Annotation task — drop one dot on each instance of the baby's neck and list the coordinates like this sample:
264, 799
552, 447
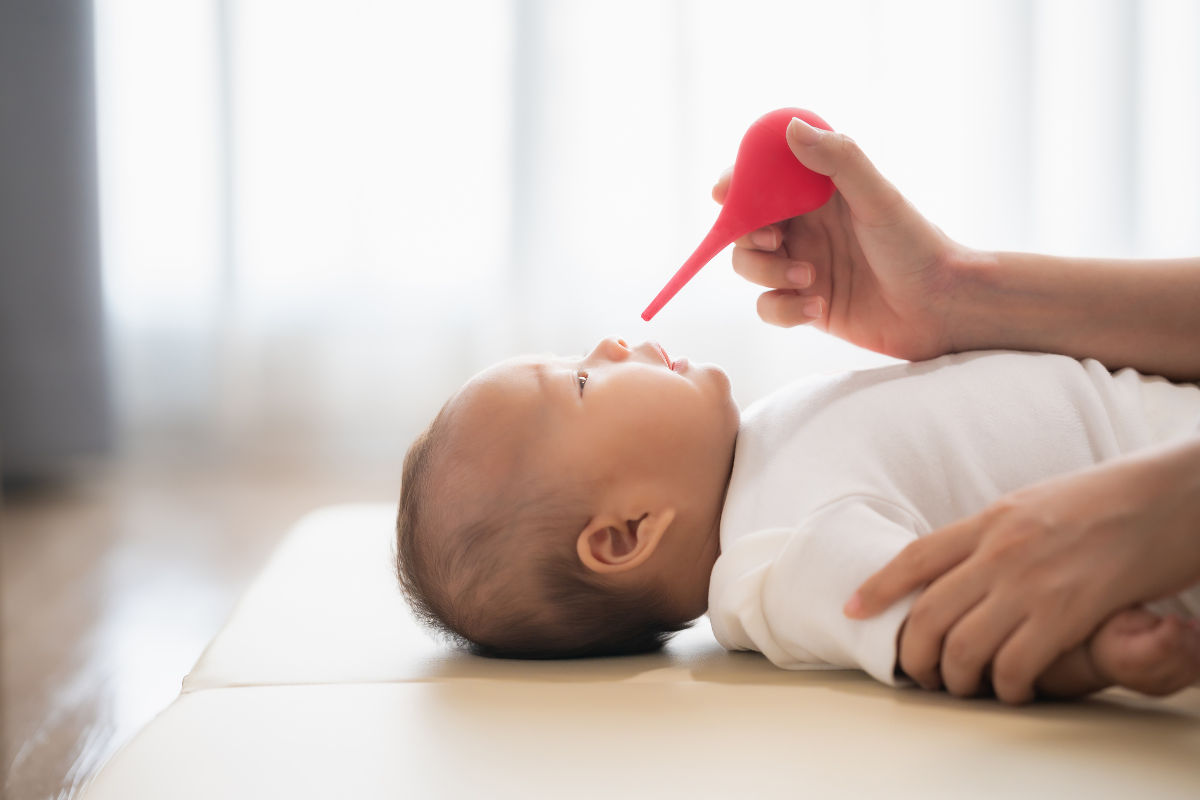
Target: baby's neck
689, 572
683, 568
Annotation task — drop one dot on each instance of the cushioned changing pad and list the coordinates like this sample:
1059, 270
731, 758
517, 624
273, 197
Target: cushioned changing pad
321, 685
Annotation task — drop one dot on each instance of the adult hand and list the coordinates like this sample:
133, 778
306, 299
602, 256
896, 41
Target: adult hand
1036, 573
866, 266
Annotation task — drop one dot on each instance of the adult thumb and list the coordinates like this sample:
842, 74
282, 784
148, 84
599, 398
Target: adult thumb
872, 198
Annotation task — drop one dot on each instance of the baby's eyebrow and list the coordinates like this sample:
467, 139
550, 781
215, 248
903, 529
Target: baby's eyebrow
552, 388
539, 372
545, 387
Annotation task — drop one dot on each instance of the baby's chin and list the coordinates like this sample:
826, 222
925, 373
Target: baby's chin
703, 371
723, 393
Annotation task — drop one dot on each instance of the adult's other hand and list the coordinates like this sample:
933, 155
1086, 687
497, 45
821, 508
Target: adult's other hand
1035, 574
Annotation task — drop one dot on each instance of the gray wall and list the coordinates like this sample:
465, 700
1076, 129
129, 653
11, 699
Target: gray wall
53, 389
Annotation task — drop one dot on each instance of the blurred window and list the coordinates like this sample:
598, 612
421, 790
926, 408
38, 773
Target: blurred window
320, 217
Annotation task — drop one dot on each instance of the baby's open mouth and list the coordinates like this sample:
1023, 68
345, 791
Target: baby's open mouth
662, 352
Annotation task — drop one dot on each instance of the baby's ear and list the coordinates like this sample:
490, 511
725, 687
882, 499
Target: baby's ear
610, 544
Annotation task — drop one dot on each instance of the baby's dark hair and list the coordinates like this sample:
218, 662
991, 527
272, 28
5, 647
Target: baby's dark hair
452, 571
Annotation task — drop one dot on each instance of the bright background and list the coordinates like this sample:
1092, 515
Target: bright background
320, 216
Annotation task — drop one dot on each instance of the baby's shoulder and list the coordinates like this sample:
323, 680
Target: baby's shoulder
859, 421
942, 378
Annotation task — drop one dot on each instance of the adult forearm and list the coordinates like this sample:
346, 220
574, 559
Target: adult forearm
1161, 492
1124, 313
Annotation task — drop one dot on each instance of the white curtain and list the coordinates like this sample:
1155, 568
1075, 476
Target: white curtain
321, 216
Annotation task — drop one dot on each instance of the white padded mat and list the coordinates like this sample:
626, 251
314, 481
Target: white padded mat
821, 737
328, 609
321, 686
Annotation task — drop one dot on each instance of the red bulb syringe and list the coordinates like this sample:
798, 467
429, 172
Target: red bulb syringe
768, 185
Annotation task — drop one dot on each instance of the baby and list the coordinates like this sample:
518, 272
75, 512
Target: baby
567, 507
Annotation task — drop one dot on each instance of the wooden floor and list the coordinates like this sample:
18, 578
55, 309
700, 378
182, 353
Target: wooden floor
111, 586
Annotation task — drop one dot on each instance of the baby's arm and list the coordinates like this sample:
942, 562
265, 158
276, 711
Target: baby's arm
780, 590
1135, 649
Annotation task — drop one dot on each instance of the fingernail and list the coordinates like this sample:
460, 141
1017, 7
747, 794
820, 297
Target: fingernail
801, 276
812, 309
803, 133
764, 238
853, 606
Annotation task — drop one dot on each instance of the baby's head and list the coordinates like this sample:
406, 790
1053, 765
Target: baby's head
563, 507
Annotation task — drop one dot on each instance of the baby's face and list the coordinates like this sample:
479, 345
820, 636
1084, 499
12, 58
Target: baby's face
626, 409
618, 413
625, 431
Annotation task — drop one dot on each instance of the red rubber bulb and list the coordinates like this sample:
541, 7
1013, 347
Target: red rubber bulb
768, 185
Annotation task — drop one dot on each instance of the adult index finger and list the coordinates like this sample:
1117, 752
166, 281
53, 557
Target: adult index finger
772, 271
721, 188
768, 238
917, 564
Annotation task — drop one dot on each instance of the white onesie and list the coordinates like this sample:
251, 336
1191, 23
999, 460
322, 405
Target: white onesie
834, 475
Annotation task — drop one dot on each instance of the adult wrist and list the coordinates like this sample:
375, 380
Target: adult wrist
1164, 487
1022, 301
972, 321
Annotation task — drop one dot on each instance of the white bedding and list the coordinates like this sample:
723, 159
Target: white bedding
321, 686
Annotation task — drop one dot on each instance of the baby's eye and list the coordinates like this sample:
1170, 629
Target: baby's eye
582, 380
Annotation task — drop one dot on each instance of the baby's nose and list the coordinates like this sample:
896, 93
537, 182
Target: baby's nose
612, 348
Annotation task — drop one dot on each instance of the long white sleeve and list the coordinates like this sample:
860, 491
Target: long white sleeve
781, 591
834, 475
